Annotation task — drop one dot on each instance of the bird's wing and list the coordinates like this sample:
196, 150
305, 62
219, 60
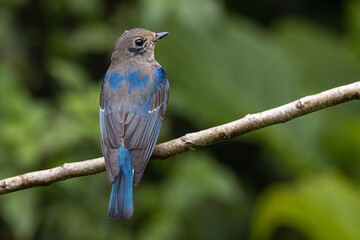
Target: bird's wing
137, 131
142, 132
108, 149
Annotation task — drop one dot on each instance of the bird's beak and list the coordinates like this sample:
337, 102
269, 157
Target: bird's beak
159, 36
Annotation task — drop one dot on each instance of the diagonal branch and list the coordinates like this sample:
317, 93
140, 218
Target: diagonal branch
192, 141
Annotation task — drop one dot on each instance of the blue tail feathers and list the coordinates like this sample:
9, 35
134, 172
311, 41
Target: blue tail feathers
121, 198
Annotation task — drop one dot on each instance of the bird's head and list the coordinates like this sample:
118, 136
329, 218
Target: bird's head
136, 44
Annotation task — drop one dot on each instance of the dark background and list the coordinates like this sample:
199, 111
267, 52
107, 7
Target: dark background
224, 59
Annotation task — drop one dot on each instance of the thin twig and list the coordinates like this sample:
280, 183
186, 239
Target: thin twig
192, 141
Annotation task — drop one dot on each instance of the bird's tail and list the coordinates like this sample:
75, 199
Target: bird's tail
121, 198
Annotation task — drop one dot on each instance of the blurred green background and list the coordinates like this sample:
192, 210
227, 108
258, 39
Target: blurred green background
224, 59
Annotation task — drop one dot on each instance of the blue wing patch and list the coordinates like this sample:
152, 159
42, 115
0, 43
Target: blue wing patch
136, 129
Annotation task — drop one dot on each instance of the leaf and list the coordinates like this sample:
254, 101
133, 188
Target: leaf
323, 206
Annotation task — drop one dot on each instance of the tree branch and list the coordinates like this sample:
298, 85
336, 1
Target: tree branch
192, 141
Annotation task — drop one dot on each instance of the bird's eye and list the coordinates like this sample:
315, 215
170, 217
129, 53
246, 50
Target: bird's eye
139, 42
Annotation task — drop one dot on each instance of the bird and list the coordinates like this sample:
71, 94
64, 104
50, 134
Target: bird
133, 100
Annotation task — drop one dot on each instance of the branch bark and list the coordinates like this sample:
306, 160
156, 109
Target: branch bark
194, 140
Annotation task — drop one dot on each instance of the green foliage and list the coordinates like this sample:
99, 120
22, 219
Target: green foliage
196, 183
325, 206
221, 67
